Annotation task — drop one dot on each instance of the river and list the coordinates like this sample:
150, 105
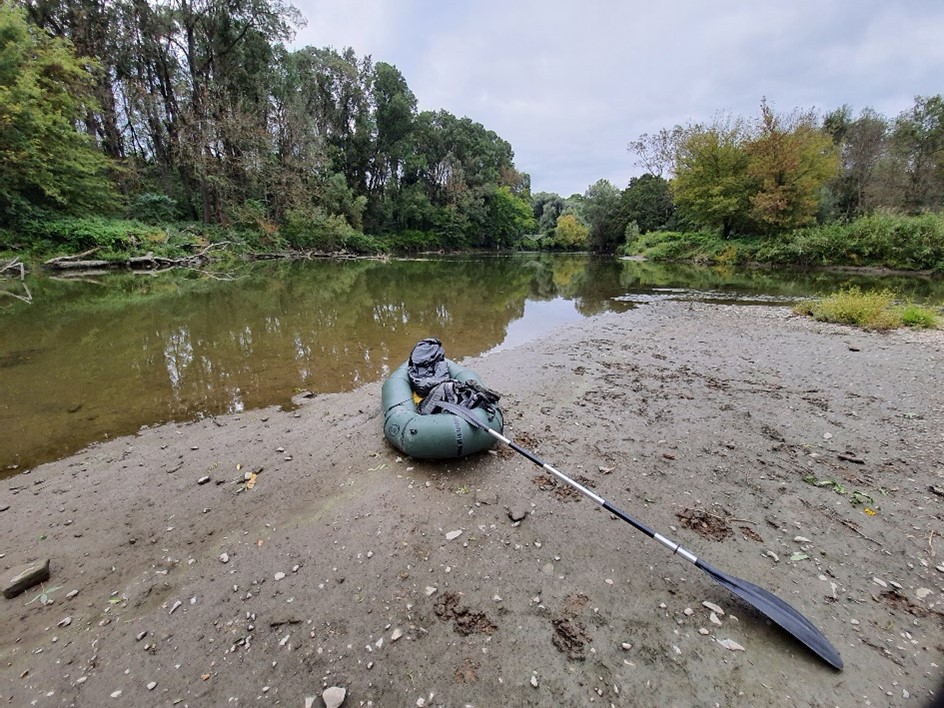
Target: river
100, 356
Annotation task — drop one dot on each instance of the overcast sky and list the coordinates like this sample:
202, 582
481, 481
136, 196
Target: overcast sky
570, 84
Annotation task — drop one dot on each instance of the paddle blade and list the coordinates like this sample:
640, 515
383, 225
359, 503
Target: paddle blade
780, 612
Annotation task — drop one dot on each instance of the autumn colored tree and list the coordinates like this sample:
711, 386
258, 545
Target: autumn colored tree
570, 234
790, 161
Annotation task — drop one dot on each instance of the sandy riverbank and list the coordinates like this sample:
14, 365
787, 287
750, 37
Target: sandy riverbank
342, 569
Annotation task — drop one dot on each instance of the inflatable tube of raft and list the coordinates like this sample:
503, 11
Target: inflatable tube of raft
440, 435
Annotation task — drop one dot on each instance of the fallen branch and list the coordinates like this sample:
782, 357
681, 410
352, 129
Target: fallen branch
17, 265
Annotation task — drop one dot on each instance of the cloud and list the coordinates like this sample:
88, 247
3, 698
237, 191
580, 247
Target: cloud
569, 84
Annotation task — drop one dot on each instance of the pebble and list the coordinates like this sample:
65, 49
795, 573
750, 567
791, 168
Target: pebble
626, 646
151, 686
334, 696
731, 644
397, 633
71, 594
453, 535
116, 694
703, 631
714, 619
922, 593
64, 622
174, 608
279, 575
688, 611
608, 581
802, 539
534, 681
713, 607
880, 582
517, 514
204, 479
224, 557
430, 590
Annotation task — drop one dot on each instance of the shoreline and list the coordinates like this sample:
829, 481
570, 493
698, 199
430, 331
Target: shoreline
340, 566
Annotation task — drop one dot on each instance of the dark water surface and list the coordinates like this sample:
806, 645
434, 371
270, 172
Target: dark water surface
102, 356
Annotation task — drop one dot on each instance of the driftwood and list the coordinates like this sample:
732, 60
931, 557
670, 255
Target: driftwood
146, 262
16, 265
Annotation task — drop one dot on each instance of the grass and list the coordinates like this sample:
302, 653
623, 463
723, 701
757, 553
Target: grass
875, 309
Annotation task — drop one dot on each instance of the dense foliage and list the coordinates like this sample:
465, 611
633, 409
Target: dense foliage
202, 114
195, 111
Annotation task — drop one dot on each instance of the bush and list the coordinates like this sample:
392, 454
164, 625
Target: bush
111, 237
918, 316
412, 241
153, 208
870, 310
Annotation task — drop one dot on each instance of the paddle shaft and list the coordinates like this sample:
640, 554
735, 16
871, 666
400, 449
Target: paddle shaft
667, 542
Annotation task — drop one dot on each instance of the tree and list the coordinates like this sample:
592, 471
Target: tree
600, 210
44, 92
863, 146
509, 217
647, 201
790, 162
658, 153
918, 144
712, 184
570, 234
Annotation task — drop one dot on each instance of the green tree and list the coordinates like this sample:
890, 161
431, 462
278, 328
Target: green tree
44, 92
570, 234
863, 144
599, 208
918, 144
790, 161
647, 201
509, 218
712, 184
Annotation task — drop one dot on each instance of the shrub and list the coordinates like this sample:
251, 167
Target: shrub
918, 316
870, 310
153, 208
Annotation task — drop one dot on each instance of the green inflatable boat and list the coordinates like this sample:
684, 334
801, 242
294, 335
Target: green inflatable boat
434, 436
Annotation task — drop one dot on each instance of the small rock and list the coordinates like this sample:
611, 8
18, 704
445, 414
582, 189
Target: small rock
801, 539
430, 590
279, 575
24, 577
204, 479
703, 631
713, 607
174, 608
71, 594
151, 686
334, 696
517, 513
880, 582
116, 694
224, 557
608, 581
64, 622
397, 633
688, 612
714, 619
774, 556
626, 646
140, 635
453, 535
731, 644
534, 681
922, 593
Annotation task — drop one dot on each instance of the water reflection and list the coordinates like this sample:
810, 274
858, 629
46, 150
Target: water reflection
92, 359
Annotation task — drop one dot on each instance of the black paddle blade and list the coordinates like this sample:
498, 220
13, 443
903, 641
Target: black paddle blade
780, 612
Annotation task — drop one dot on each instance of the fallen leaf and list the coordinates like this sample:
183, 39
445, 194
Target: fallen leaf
798, 556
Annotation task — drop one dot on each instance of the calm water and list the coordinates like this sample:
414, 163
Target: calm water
102, 356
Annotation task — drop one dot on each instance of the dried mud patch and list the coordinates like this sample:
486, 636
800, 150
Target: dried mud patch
464, 620
570, 636
562, 491
705, 524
